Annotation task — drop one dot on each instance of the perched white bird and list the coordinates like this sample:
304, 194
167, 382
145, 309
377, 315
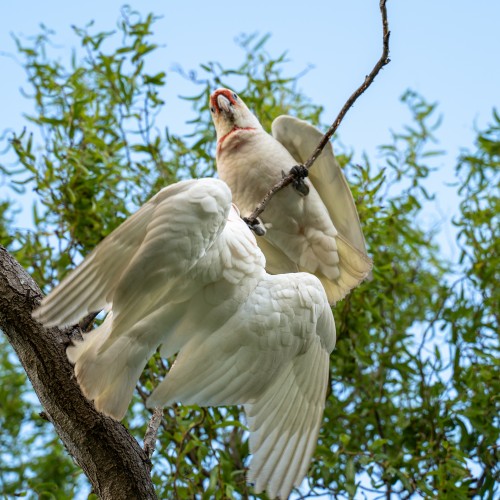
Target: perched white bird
319, 233
185, 272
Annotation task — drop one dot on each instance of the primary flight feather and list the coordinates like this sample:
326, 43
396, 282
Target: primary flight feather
319, 233
185, 273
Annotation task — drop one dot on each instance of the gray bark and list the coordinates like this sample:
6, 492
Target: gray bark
115, 464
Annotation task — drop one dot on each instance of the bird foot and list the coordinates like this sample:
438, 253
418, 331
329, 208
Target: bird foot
299, 173
254, 225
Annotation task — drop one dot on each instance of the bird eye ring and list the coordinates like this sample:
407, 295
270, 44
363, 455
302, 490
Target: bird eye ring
212, 109
235, 96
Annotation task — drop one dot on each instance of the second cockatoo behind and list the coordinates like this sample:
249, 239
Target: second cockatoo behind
319, 233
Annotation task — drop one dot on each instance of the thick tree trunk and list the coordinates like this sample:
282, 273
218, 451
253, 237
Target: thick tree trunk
111, 458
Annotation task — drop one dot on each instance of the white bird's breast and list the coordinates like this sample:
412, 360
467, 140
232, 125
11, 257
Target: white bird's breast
252, 166
299, 226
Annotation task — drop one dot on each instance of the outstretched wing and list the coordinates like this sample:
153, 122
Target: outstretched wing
226, 275
272, 356
140, 270
163, 239
284, 423
300, 139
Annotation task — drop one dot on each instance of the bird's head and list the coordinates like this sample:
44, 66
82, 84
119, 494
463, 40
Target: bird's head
229, 112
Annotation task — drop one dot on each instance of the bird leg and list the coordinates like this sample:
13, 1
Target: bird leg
299, 173
254, 225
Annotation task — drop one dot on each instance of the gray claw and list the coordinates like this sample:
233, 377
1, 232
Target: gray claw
299, 173
255, 226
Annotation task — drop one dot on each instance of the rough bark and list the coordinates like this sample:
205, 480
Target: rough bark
111, 458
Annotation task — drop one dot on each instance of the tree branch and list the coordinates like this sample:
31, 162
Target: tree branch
152, 431
288, 179
111, 458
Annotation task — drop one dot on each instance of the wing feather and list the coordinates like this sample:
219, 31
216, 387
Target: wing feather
276, 261
300, 139
218, 369
283, 437
142, 262
272, 356
158, 241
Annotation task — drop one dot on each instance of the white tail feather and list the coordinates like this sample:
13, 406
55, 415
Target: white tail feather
109, 377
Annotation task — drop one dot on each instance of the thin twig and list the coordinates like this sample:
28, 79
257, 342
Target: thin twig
152, 431
288, 179
437, 315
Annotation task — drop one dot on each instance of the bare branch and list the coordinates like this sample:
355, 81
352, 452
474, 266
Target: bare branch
291, 177
111, 458
152, 431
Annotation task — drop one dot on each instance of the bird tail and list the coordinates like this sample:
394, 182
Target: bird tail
108, 376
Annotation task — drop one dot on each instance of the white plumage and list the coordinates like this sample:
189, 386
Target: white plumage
185, 273
319, 233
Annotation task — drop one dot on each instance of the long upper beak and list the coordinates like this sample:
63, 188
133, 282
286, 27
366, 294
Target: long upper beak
223, 103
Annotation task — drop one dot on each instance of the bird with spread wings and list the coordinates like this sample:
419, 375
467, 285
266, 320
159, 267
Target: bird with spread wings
185, 273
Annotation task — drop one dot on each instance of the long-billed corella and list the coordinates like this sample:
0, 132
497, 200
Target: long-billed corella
319, 233
185, 273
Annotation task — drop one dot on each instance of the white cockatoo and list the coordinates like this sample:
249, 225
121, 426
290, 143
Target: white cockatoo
319, 233
185, 272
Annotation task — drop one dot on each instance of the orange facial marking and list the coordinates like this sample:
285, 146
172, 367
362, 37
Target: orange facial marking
226, 93
231, 132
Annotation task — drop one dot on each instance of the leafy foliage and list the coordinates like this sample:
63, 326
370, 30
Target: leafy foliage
413, 407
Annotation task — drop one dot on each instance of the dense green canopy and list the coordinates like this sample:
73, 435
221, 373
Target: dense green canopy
415, 378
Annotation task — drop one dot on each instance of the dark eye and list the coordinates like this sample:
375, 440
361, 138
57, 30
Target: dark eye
212, 109
235, 97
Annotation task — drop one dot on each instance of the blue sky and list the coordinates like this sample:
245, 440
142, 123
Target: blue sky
447, 50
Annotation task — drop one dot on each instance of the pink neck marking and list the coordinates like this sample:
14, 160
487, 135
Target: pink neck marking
224, 137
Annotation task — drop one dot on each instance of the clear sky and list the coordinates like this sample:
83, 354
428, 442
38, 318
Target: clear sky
448, 50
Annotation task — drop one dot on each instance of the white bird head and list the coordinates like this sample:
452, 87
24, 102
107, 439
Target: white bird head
230, 113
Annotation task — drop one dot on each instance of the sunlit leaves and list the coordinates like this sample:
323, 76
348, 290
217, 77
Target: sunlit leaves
100, 153
413, 404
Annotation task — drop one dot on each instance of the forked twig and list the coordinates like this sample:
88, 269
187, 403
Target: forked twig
288, 179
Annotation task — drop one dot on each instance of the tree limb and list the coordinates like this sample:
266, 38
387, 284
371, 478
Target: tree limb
291, 177
111, 458
152, 431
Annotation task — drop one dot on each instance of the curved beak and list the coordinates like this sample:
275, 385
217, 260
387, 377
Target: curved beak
223, 102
